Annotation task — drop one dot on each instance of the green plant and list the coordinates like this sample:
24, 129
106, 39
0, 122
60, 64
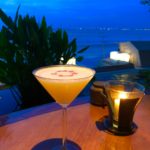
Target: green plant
24, 46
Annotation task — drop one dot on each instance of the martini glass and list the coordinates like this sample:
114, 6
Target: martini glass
64, 83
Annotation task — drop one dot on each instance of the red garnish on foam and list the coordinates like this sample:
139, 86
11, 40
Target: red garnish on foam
64, 73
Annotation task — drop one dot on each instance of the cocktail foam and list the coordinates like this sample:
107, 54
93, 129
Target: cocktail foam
64, 72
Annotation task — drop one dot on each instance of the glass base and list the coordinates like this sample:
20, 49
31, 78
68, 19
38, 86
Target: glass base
69, 146
115, 131
56, 144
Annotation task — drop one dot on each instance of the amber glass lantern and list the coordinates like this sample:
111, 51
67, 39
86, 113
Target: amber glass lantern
123, 99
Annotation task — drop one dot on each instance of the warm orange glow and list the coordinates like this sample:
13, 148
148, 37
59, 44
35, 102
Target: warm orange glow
122, 95
64, 92
64, 82
116, 108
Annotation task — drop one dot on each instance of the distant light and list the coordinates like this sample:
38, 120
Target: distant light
124, 57
125, 29
114, 55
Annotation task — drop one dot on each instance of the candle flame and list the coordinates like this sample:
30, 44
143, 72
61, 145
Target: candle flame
117, 102
122, 95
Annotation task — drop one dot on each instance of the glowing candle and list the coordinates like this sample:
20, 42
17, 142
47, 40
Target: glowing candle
116, 110
121, 96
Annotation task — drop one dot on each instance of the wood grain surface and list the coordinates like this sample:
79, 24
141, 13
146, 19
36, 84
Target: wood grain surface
31, 132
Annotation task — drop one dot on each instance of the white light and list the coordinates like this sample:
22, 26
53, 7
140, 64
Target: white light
116, 110
114, 55
71, 61
119, 56
61, 60
124, 57
122, 95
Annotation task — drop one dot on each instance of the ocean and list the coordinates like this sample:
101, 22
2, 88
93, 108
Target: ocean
99, 28
104, 40
100, 38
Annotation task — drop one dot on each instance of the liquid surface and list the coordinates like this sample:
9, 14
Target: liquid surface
64, 72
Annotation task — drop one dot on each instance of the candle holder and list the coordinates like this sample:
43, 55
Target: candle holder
123, 98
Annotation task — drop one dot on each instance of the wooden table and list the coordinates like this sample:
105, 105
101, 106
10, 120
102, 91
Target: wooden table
26, 133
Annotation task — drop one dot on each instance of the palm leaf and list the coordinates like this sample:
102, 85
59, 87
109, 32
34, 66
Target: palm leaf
80, 58
16, 16
7, 20
83, 49
26, 45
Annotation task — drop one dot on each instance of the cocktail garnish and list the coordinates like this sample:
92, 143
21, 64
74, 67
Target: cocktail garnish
64, 73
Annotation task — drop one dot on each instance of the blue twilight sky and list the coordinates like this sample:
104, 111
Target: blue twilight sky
84, 13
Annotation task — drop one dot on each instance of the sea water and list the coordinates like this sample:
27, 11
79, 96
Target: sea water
103, 40
76, 18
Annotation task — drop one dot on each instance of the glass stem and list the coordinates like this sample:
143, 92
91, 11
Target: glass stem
64, 138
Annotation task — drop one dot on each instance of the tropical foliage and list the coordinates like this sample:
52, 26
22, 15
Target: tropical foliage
26, 45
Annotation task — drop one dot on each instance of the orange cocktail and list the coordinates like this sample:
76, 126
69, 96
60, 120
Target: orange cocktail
64, 83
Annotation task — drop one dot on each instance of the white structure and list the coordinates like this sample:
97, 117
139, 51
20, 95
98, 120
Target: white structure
124, 57
139, 52
115, 55
71, 61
